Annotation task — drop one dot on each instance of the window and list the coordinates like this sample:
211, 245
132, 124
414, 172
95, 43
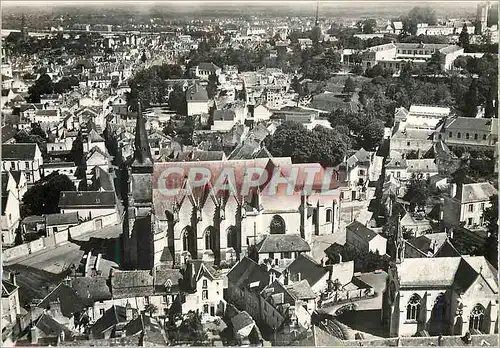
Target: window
28, 177
439, 136
459, 135
328, 215
205, 309
482, 206
467, 136
287, 255
164, 299
10, 217
205, 284
475, 136
271, 256
208, 240
146, 300
101, 311
13, 165
54, 229
27, 165
476, 318
484, 136
398, 174
185, 241
413, 308
361, 172
450, 134
471, 208
439, 309
469, 221
204, 295
408, 143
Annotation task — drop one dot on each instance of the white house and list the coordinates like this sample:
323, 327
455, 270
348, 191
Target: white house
88, 204
364, 239
26, 158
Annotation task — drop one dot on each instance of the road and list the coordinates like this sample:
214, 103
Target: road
39, 272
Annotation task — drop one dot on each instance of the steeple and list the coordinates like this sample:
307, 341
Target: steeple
142, 152
317, 13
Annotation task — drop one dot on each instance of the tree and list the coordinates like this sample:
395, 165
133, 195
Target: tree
177, 100
489, 109
369, 26
490, 216
434, 65
470, 101
372, 134
213, 81
357, 70
144, 58
417, 192
349, 87
43, 197
463, 39
43, 85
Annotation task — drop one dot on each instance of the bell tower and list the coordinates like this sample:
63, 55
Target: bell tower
139, 224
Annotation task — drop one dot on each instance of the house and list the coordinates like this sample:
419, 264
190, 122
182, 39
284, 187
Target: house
16, 182
11, 214
11, 306
365, 239
101, 180
204, 70
8, 132
66, 168
47, 116
55, 223
281, 249
441, 296
415, 224
88, 204
422, 167
466, 203
97, 158
246, 280
26, 158
468, 131
197, 100
205, 289
405, 139
356, 171
114, 321
305, 267
224, 120
242, 324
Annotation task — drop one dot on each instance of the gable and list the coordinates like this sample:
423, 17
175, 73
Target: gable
481, 288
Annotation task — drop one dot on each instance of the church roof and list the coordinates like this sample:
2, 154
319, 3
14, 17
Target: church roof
276, 243
436, 272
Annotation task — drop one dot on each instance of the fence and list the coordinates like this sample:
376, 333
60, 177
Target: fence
60, 237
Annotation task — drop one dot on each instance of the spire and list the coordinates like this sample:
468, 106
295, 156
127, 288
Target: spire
317, 14
142, 153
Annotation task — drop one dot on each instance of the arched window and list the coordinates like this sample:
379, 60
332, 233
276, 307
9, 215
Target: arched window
231, 237
413, 308
185, 240
476, 318
208, 240
466, 135
277, 225
328, 215
439, 309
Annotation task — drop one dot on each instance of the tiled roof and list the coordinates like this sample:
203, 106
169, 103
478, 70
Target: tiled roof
132, 283
224, 115
197, 93
91, 289
308, 269
247, 273
242, 320
50, 327
361, 231
61, 219
110, 318
471, 124
7, 288
72, 199
208, 66
19, 151
70, 302
275, 243
441, 271
477, 192
7, 133
94, 137
301, 290
422, 165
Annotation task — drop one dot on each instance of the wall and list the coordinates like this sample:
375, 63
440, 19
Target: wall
58, 238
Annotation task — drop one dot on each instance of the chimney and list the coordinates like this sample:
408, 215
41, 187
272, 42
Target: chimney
55, 309
441, 209
299, 277
12, 278
453, 190
340, 258
128, 312
34, 335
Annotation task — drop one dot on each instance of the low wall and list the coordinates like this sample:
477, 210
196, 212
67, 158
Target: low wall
26, 249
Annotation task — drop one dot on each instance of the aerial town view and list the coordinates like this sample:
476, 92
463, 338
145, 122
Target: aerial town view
249, 174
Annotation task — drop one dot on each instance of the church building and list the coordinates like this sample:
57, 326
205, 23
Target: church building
198, 223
